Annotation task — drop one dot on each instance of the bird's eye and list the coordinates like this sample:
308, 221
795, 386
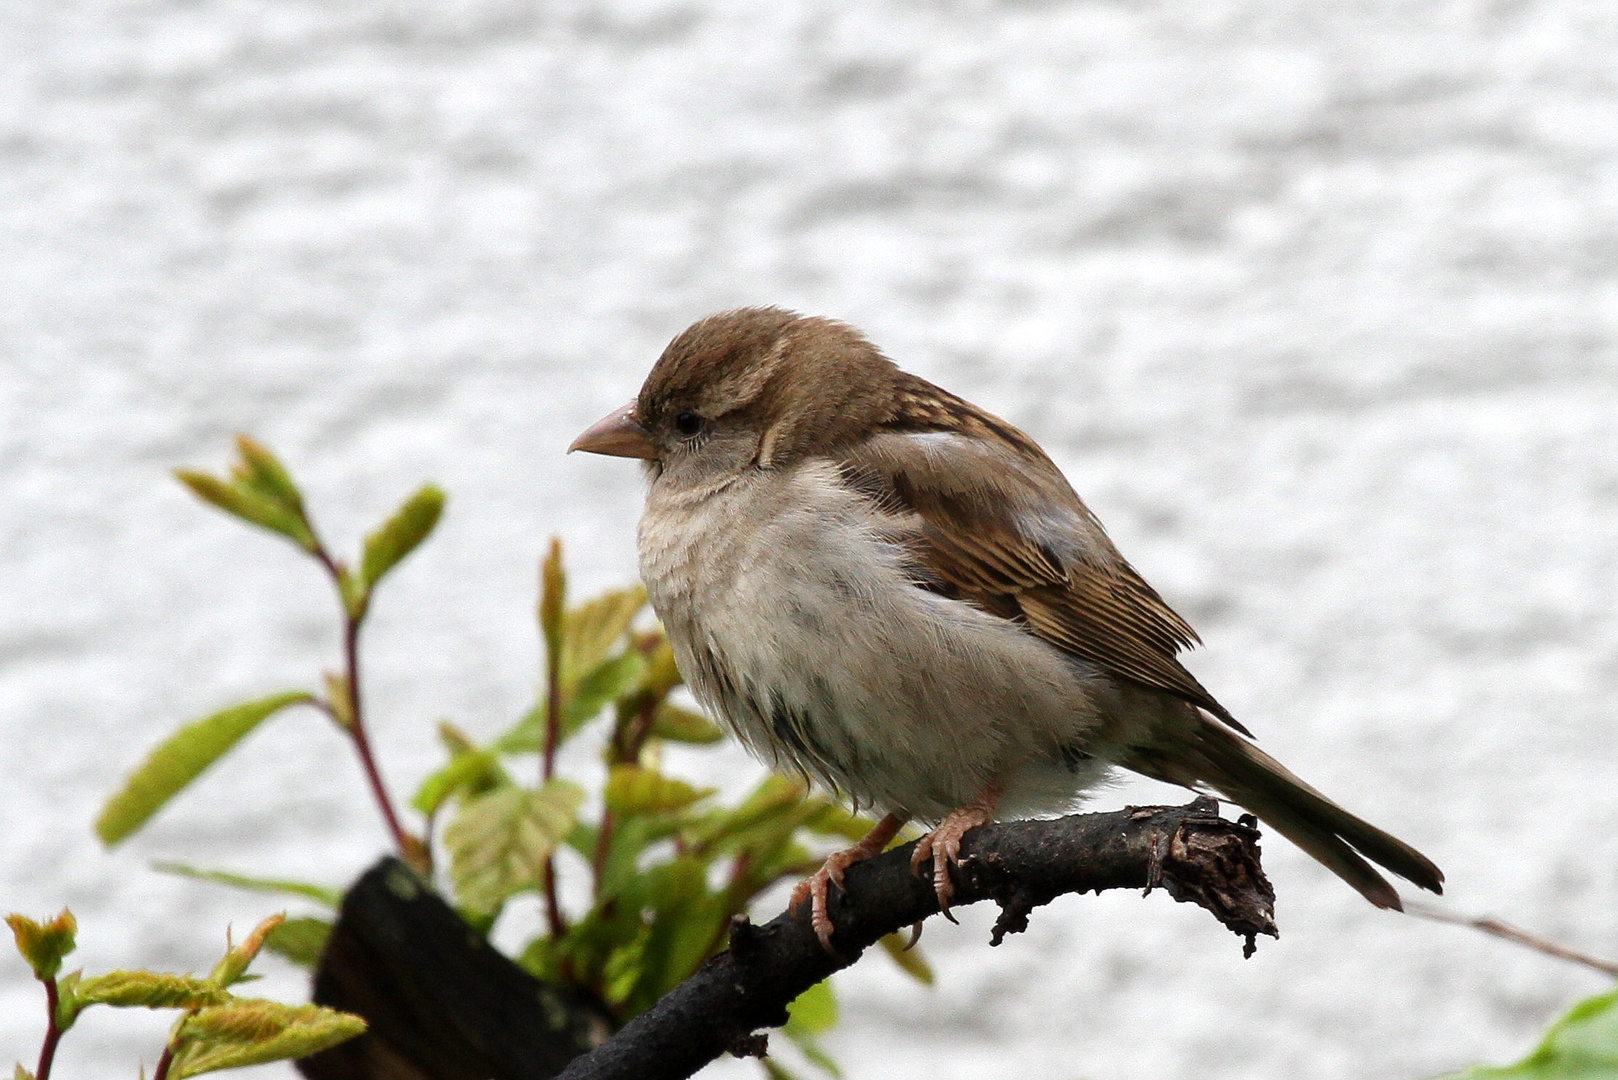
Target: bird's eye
688, 423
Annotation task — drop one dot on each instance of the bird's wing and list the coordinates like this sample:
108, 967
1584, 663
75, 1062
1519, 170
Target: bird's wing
987, 518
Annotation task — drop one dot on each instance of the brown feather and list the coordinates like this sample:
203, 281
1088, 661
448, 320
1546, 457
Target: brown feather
963, 534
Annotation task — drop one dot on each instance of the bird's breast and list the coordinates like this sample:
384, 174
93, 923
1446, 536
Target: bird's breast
794, 620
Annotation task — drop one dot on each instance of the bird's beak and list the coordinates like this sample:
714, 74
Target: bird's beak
617, 434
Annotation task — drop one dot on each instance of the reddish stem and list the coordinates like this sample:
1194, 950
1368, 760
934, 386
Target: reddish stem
1509, 932
553, 739
553, 907
362, 743
624, 751
163, 1063
356, 715
53, 1034
598, 864
644, 719
553, 713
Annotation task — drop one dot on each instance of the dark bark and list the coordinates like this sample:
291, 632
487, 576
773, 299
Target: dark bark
444, 1005
441, 1002
1189, 851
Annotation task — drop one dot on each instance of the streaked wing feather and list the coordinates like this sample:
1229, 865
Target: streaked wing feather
964, 537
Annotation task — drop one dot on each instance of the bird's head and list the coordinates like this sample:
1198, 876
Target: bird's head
752, 388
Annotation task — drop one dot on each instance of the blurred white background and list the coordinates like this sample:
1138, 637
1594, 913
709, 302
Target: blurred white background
1315, 303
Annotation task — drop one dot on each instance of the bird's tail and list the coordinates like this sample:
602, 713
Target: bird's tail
1219, 758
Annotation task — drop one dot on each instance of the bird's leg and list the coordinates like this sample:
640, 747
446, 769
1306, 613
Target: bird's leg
943, 844
814, 888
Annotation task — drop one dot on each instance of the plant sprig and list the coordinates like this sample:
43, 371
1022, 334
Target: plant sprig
668, 864
261, 491
216, 1029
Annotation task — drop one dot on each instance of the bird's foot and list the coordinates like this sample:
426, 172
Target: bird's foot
816, 886
943, 847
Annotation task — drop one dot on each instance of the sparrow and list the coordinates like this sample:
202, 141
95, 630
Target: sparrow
885, 589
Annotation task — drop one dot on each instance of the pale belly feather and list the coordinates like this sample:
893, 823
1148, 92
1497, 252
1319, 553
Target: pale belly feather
803, 633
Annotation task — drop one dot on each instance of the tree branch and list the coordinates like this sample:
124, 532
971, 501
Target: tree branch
1189, 851
1497, 928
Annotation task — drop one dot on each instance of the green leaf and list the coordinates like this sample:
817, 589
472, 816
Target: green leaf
603, 685
252, 1031
355, 593
910, 960
320, 894
813, 1013
592, 630
773, 796
632, 789
675, 724
466, 774
831, 819
764, 826
629, 840
527, 736
681, 939
601, 951
147, 989
623, 966
454, 739
401, 533
251, 506
662, 674
302, 941
181, 759
499, 840
541, 958
262, 471
815, 1055
685, 923
67, 1003
21, 1073
1583, 1045
44, 945
339, 701
232, 967
594, 952
470, 771
552, 599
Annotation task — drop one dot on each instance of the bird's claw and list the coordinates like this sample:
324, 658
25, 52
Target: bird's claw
942, 847
816, 887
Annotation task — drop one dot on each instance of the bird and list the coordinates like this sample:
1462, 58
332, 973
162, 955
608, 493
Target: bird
898, 596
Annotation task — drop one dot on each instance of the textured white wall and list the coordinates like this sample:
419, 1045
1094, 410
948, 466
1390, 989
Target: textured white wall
1315, 303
